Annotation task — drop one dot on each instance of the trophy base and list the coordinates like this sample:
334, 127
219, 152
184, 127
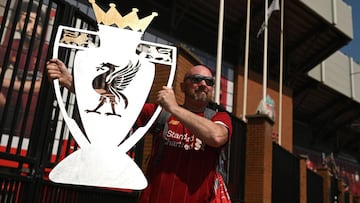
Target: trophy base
101, 167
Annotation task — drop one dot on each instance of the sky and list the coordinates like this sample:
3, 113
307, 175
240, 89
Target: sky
353, 48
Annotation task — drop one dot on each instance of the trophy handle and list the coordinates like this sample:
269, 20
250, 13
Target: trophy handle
73, 127
169, 58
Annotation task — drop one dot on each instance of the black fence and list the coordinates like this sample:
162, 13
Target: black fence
236, 156
314, 187
285, 176
286, 181
33, 134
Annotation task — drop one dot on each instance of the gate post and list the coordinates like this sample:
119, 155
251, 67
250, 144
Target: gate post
326, 175
258, 161
341, 189
303, 179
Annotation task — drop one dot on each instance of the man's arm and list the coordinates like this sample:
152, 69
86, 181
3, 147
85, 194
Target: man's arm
27, 85
17, 84
213, 134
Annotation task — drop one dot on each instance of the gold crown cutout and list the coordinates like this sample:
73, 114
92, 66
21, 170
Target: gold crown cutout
113, 17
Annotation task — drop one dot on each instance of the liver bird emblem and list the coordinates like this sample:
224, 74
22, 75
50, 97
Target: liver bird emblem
111, 83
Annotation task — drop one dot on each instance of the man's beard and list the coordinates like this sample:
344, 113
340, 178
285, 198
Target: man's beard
27, 41
199, 95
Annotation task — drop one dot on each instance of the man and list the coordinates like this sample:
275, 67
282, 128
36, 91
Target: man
178, 170
23, 67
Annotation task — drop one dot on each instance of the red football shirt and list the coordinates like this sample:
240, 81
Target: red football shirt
181, 173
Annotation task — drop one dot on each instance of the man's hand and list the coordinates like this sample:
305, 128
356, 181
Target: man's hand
166, 98
56, 69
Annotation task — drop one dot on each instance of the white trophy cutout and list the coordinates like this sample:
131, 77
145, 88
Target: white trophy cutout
109, 108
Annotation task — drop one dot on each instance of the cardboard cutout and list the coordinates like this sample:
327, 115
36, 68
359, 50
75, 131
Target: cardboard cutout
112, 82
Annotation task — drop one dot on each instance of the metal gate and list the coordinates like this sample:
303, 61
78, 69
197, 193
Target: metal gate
33, 136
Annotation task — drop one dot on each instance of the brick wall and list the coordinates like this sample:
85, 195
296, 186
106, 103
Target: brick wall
258, 161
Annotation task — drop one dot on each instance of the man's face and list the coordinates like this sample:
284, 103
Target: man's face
30, 26
198, 84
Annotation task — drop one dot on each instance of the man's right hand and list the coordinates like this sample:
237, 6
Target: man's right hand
56, 69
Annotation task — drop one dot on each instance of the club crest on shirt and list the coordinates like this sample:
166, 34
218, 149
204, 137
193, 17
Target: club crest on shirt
174, 122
